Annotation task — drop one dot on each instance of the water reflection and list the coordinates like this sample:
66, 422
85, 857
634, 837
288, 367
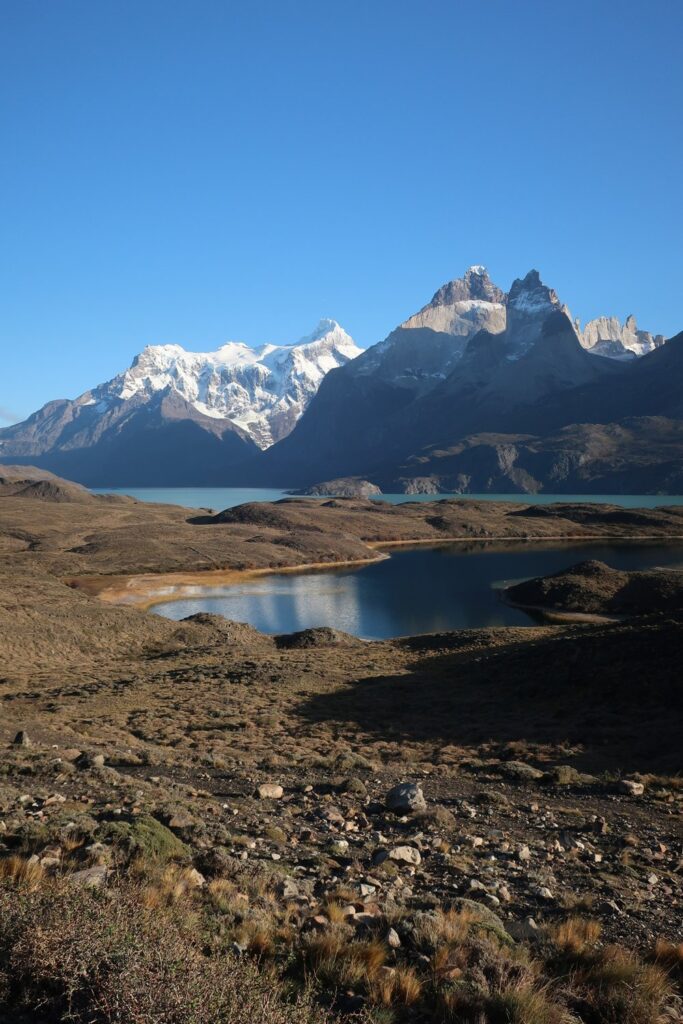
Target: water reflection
422, 590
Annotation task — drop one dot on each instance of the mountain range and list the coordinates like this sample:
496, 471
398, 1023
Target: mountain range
178, 417
480, 391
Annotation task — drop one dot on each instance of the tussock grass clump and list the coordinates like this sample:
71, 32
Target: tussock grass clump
620, 989
576, 936
21, 870
607, 984
337, 961
103, 956
397, 987
669, 956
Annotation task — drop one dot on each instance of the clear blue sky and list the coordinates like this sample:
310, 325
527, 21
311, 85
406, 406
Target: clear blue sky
195, 171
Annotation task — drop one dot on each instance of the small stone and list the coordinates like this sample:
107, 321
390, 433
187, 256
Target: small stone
339, 846
405, 855
91, 878
406, 798
22, 739
270, 791
520, 770
86, 760
288, 889
392, 939
180, 820
195, 879
630, 787
54, 798
524, 854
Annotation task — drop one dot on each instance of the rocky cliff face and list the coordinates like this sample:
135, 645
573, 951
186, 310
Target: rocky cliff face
607, 336
464, 306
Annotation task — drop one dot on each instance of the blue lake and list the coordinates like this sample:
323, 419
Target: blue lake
420, 590
227, 497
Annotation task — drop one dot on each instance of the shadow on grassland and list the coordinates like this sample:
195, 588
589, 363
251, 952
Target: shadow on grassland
614, 689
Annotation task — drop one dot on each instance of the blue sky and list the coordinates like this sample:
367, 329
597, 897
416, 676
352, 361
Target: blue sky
201, 171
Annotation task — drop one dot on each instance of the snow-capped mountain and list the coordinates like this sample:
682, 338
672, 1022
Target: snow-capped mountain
475, 360
606, 336
179, 418
263, 391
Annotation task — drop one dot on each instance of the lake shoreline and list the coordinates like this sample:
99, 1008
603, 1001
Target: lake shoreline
145, 591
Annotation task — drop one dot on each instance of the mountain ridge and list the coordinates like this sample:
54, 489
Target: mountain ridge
473, 361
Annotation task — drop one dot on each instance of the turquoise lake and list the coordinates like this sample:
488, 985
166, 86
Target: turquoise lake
227, 497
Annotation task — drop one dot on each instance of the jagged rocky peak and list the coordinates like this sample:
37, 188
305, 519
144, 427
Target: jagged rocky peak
530, 297
464, 306
607, 336
529, 303
475, 284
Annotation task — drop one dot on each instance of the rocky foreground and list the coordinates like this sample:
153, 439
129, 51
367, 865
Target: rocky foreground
481, 826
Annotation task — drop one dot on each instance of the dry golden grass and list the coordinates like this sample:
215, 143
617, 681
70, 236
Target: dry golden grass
615, 985
448, 928
407, 986
575, 936
334, 912
396, 987
669, 956
22, 870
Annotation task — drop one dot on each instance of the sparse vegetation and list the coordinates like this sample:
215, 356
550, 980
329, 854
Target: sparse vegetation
155, 947
84, 956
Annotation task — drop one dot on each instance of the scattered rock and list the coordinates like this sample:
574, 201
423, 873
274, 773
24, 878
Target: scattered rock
91, 878
405, 855
630, 787
406, 798
270, 791
86, 760
180, 820
520, 770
